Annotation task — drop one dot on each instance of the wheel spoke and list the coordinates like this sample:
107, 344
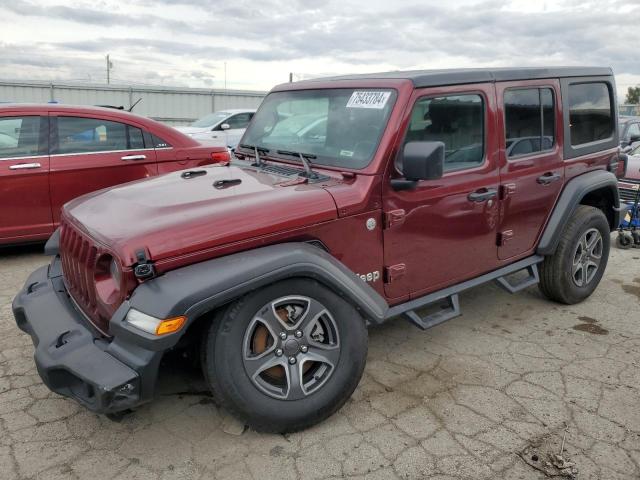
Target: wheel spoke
314, 310
268, 318
583, 276
295, 389
256, 365
319, 352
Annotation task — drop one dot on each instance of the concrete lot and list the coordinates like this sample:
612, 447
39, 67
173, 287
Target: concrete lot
462, 400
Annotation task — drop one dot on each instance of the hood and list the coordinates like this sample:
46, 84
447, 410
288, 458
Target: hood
170, 216
193, 130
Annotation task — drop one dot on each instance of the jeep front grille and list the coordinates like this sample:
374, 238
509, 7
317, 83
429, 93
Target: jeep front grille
78, 256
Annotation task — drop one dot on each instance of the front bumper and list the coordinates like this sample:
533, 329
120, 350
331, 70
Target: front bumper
72, 359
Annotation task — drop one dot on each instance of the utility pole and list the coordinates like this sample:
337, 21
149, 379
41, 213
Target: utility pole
225, 78
109, 67
290, 77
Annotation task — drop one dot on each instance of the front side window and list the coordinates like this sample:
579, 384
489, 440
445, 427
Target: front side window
19, 136
457, 121
239, 121
590, 113
86, 135
341, 127
529, 121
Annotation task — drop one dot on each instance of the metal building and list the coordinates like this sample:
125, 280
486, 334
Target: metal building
171, 105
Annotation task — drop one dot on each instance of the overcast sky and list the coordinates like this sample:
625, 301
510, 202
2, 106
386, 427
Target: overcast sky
187, 42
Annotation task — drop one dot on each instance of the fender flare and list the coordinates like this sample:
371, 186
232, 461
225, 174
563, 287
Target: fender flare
200, 288
572, 194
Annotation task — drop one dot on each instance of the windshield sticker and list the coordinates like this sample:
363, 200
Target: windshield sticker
360, 99
346, 153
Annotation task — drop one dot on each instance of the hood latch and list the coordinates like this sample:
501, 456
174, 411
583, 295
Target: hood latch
144, 269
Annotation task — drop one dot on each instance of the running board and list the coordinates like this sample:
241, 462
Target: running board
532, 279
448, 297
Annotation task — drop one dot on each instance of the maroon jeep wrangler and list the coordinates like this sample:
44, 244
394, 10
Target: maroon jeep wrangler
352, 200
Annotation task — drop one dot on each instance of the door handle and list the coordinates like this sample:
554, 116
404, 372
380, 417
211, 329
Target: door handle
24, 166
133, 157
483, 195
548, 178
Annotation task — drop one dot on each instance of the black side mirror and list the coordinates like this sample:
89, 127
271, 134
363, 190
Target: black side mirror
420, 161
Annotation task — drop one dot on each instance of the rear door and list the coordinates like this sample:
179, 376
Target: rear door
89, 153
532, 169
25, 212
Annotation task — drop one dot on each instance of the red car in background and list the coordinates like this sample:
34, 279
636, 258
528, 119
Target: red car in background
50, 154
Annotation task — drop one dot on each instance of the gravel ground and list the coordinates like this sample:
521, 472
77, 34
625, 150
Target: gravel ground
475, 398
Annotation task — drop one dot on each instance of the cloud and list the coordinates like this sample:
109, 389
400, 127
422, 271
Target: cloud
174, 38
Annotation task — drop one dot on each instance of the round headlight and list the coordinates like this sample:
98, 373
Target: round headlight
107, 277
114, 270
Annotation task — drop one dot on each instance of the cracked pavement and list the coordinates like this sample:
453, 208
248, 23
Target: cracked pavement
459, 401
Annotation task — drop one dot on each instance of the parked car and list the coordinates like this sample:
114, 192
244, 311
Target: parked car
226, 126
272, 267
630, 183
50, 154
629, 130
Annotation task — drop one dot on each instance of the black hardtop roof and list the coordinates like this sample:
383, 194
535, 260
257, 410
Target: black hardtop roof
430, 78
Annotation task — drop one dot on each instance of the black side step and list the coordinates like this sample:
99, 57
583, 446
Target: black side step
449, 311
532, 279
449, 295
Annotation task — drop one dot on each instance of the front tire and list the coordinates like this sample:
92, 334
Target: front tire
574, 271
287, 356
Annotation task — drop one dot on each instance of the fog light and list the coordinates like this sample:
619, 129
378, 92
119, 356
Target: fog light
153, 325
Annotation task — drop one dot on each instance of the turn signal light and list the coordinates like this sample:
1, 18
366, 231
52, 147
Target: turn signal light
153, 325
221, 158
170, 325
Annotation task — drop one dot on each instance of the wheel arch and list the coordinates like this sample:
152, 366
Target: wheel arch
597, 189
201, 289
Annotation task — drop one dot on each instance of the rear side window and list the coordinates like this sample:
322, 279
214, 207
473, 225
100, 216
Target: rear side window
136, 140
87, 135
159, 142
457, 121
529, 121
19, 136
590, 113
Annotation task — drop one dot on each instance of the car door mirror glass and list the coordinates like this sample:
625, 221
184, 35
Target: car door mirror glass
225, 126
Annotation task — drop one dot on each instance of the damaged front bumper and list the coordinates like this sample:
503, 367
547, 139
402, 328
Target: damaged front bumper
73, 360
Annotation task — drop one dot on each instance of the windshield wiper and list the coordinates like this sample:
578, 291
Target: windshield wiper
256, 151
304, 158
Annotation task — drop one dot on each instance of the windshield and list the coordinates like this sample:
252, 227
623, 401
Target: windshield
210, 120
341, 127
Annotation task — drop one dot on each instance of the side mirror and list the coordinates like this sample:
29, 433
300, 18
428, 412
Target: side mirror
225, 126
633, 139
420, 161
627, 149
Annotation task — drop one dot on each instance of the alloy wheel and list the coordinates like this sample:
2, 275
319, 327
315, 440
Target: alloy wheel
587, 257
291, 347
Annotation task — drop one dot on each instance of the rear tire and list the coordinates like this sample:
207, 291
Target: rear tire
283, 384
574, 271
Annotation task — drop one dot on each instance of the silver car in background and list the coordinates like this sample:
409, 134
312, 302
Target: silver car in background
225, 126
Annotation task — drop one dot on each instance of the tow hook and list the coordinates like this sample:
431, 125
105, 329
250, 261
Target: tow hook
144, 268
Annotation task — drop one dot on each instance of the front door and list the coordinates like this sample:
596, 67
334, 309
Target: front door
25, 212
444, 231
532, 170
237, 125
89, 153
